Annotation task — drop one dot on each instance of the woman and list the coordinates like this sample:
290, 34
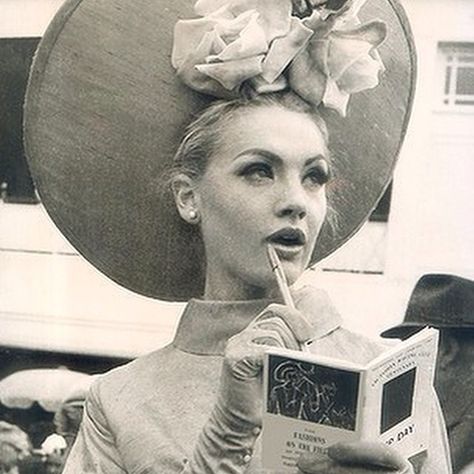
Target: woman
250, 172
269, 182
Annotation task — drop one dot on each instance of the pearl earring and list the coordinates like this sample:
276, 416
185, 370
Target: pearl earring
193, 215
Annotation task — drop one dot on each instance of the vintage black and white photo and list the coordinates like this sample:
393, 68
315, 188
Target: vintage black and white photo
187, 185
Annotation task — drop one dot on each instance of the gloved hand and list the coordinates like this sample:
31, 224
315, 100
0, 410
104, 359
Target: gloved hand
226, 442
356, 458
240, 395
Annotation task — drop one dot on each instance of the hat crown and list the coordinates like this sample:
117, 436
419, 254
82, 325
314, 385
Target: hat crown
442, 299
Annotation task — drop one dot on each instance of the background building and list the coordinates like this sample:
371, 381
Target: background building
52, 300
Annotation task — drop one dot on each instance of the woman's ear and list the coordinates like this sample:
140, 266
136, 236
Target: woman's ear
185, 196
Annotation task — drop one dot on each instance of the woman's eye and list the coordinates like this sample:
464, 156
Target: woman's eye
257, 173
318, 175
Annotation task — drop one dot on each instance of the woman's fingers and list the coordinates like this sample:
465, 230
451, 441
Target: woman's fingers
314, 464
268, 337
330, 467
277, 325
356, 458
374, 454
292, 319
244, 352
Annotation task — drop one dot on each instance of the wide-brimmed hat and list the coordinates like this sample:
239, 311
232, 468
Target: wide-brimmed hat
105, 111
439, 300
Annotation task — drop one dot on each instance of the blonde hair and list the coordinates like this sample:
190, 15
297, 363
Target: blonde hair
202, 136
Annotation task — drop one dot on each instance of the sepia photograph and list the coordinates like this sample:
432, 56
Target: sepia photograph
186, 185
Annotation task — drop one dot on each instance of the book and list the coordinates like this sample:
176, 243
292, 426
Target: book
313, 401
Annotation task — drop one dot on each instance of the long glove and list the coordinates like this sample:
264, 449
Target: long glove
226, 442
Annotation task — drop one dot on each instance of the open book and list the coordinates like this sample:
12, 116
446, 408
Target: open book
312, 401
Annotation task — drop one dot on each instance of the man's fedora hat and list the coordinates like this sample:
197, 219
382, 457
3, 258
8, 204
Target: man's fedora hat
104, 114
438, 300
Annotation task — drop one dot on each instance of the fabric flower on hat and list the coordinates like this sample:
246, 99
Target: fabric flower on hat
235, 41
319, 49
339, 60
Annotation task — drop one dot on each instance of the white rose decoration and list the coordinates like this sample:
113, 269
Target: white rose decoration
338, 63
324, 57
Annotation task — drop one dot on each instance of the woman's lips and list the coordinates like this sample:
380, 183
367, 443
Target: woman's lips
288, 241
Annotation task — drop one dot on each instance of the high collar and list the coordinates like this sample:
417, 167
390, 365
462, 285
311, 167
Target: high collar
206, 326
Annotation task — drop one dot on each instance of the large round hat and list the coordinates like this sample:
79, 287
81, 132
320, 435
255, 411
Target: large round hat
104, 114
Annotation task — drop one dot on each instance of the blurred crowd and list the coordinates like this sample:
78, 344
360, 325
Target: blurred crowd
37, 441
19, 456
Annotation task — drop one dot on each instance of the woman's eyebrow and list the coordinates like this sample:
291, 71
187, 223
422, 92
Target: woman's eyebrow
273, 157
268, 155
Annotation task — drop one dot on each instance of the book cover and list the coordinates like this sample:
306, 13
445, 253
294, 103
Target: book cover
312, 401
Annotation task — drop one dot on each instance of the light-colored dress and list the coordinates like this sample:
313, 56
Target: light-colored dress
145, 417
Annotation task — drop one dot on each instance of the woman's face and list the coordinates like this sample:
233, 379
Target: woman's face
265, 184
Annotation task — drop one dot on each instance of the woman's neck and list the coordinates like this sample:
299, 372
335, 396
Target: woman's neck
222, 288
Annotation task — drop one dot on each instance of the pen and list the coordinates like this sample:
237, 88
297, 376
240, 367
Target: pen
277, 269
280, 276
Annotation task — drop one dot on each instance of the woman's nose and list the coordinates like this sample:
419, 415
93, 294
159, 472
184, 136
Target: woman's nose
292, 202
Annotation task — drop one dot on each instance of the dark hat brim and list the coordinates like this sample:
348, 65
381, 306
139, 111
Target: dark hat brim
104, 113
403, 330
438, 300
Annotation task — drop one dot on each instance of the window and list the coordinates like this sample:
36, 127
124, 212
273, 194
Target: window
457, 61
16, 55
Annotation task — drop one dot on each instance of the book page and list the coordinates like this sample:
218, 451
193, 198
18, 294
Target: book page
308, 406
